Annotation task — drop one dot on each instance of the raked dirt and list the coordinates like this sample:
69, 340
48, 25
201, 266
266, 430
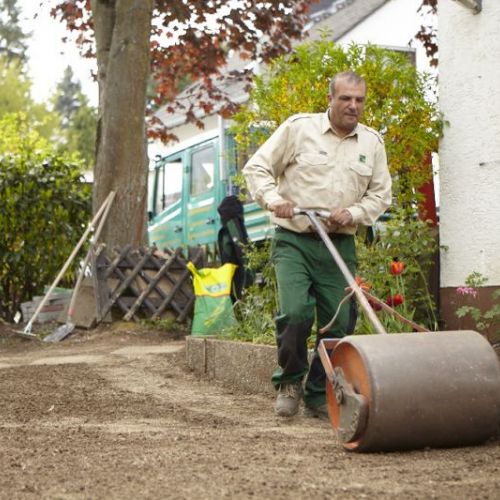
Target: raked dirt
115, 414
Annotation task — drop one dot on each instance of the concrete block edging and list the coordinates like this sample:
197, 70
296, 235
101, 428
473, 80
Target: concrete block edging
239, 364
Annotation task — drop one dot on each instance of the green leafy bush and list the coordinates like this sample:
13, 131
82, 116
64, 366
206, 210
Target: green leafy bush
256, 310
45, 207
486, 321
410, 242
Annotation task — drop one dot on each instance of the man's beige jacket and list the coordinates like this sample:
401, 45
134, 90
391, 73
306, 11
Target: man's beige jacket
305, 162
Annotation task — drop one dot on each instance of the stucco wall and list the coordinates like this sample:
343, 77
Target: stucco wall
395, 24
469, 93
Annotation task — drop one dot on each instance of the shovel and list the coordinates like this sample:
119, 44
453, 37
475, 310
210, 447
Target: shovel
64, 330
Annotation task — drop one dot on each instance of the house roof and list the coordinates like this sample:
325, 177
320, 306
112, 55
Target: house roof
321, 6
336, 16
342, 16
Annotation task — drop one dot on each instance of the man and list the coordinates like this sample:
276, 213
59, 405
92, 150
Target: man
322, 161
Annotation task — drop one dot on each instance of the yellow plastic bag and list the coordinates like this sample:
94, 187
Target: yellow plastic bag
213, 308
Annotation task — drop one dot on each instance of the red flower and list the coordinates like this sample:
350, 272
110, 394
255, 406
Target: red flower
395, 300
364, 285
397, 267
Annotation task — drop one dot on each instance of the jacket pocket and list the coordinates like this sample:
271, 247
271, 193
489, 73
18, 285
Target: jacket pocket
361, 169
359, 176
312, 159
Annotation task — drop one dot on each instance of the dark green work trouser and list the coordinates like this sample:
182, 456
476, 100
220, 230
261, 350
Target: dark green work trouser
310, 286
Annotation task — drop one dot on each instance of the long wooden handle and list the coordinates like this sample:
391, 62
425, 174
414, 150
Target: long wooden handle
27, 329
95, 238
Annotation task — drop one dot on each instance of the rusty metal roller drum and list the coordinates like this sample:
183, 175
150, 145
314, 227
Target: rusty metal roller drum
413, 390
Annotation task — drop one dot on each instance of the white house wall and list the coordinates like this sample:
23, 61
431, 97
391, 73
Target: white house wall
395, 24
469, 90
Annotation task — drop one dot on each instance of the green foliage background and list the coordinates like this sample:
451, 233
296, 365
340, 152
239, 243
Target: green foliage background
412, 241
78, 119
15, 96
13, 39
44, 148
256, 309
45, 208
70, 122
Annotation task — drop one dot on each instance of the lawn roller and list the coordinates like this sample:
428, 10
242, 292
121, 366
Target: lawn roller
403, 391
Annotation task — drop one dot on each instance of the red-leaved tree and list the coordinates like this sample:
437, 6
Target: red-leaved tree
427, 34
166, 42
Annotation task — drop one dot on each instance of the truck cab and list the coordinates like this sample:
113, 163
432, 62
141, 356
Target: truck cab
185, 187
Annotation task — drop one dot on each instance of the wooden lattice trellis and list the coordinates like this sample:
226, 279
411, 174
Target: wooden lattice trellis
144, 283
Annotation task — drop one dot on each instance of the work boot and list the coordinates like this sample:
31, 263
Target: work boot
288, 399
320, 412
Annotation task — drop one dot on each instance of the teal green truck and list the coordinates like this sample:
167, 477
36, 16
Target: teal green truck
185, 188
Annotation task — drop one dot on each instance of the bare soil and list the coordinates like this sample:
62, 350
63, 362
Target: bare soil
114, 413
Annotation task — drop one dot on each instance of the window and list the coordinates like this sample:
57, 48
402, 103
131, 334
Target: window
202, 171
169, 185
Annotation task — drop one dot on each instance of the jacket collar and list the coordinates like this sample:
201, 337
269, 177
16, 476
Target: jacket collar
326, 126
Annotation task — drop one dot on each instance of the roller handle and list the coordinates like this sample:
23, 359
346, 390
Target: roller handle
312, 215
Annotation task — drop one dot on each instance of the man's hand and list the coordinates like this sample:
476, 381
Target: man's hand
340, 217
282, 208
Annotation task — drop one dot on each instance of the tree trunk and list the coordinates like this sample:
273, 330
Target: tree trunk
122, 34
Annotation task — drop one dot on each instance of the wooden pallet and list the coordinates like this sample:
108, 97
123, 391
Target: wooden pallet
144, 283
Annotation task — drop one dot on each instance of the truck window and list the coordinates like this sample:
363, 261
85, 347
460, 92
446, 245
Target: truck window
169, 185
202, 171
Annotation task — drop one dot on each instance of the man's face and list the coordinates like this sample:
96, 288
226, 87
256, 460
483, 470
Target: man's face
346, 105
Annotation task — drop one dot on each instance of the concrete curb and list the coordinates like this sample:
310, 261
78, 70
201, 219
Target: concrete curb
246, 366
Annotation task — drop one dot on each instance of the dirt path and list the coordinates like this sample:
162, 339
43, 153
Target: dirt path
115, 415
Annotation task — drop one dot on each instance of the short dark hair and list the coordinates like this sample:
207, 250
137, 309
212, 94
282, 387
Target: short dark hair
348, 75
